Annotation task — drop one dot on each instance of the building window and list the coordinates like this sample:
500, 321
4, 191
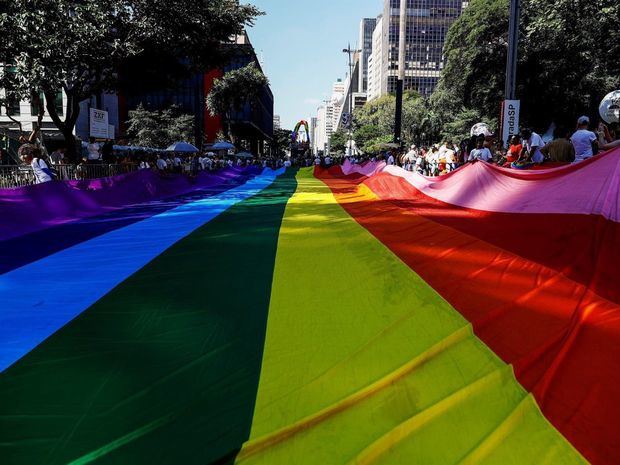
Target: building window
34, 105
12, 107
60, 109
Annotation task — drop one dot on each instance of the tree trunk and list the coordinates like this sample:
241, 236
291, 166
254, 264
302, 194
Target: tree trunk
72, 153
228, 128
19, 123
67, 126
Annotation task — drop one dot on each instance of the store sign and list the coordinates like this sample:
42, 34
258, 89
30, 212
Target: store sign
510, 120
99, 126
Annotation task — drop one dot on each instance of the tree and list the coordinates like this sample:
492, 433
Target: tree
376, 145
281, 141
159, 129
567, 61
338, 141
374, 122
365, 134
79, 45
236, 89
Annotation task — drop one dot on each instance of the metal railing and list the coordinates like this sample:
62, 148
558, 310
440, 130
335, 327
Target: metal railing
22, 175
15, 176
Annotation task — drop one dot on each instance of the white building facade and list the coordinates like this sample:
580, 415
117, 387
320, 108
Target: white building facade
375, 62
26, 115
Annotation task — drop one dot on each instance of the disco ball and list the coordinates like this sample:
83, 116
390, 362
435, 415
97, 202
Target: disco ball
481, 128
610, 107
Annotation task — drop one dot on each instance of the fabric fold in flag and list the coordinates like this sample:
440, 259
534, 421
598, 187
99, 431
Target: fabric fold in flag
540, 289
365, 363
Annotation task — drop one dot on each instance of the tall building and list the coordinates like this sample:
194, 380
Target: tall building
367, 27
328, 116
252, 124
336, 105
276, 122
428, 22
320, 140
313, 133
375, 62
352, 91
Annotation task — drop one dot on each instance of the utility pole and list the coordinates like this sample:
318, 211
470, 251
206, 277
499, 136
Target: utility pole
350, 53
513, 45
511, 107
400, 85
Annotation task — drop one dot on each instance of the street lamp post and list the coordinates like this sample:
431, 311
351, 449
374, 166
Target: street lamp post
513, 44
400, 85
350, 53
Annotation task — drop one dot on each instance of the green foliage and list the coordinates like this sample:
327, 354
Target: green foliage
338, 141
281, 141
376, 145
378, 113
458, 126
374, 122
365, 135
79, 45
159, 129
567, 61
235, 89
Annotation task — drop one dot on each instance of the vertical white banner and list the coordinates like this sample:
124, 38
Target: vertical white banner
98, 123
510, 120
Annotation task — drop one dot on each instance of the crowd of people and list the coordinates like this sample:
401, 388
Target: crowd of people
525, 150
164, 163
193, 163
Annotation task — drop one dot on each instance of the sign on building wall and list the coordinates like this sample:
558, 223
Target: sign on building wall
99, 126
510, 120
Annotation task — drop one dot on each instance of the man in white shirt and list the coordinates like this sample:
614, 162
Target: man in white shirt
391, 161
41, 170
410, 158
94, 155
317, 161
480, 152
583, 140
328, 161
533, 143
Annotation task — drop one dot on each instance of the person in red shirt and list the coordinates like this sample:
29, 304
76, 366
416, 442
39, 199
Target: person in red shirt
514, 151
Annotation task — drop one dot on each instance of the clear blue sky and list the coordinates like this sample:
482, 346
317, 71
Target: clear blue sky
301, 45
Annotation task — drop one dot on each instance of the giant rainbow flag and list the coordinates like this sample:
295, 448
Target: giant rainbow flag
355, 315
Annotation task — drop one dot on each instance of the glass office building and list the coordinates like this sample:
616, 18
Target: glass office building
367, 26
428, 22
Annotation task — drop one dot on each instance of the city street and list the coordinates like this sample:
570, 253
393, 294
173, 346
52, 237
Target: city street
356, 232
